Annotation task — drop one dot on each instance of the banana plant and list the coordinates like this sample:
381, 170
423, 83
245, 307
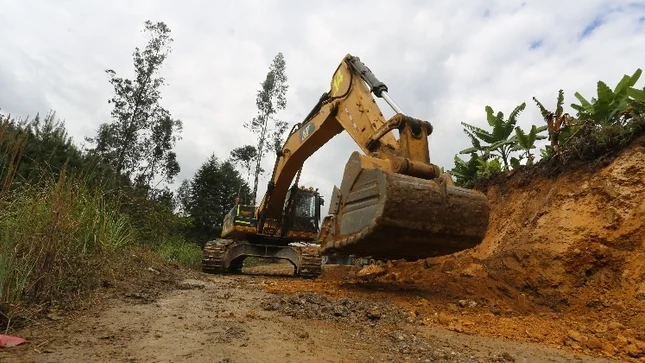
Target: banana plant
610, 106
526, 142
637, 101
500, 140
488, 168
637, 94
558, 123
465, 172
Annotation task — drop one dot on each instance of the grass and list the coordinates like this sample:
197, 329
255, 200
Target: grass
177, 250
56, 239
61, 238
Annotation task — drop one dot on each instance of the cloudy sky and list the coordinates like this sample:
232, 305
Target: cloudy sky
443, 61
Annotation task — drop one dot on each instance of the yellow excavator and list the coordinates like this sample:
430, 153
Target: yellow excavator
392, 203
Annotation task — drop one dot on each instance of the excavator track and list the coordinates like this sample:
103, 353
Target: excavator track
311, 262
220, 253
213, 257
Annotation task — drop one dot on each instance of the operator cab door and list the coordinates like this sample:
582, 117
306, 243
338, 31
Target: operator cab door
305, 214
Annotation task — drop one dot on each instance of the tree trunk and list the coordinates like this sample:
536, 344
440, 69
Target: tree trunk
555, 137
137, 103
258, 164
257, 170
505, 159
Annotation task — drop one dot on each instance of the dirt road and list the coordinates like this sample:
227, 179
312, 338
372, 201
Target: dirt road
207, 318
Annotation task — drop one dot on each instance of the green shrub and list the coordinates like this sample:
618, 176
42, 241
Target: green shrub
178, 250
593, 140
603, 125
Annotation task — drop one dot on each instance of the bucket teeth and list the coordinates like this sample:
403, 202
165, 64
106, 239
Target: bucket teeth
393, 216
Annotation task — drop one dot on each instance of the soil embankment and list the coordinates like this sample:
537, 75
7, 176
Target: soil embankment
563, 264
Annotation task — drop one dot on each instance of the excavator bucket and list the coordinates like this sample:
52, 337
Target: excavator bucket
386, 215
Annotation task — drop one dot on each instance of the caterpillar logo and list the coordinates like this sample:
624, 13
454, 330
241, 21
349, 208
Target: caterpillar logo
337, 81
306, 130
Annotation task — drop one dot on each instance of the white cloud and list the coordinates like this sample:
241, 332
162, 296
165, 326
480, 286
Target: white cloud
443, 61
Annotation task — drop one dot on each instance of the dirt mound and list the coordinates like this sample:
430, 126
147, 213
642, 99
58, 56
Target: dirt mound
574, 243
563, 263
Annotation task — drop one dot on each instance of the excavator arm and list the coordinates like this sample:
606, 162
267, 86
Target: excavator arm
393, 202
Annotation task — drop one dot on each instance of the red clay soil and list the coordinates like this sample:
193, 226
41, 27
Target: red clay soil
563, 264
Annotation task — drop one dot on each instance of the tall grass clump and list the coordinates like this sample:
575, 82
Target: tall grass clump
177, 250
57, 235
56, 240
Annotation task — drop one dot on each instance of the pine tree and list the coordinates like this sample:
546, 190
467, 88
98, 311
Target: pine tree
213, 192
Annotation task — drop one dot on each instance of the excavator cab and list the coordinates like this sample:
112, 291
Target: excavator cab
302, 211
300, 219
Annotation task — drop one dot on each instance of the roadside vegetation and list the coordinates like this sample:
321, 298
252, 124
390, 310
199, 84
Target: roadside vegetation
604, 123
73, 218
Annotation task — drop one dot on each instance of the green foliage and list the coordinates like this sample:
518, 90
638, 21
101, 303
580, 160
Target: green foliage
637, 102
180, 251
138, 142
547, 152
45, 148
516, 162
12, 145
500, 140
465, 172
48, 145
63, 232
55, 237
637, 94
488, 168
213, 191
182, 198
593, 141
153, 214
477, 167
492, 150
560, 125
69, 217
526, 142
609, 121
244, 156
606, 123
608, 107
270, 99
